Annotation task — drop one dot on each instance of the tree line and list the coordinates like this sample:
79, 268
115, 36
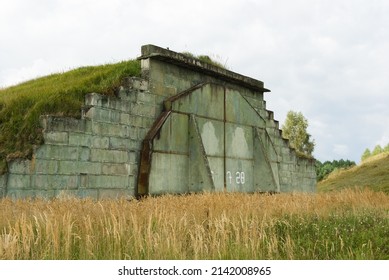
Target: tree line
325, 168
376, 151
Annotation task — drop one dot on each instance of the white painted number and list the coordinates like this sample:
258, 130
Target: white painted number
229, 176
240, 178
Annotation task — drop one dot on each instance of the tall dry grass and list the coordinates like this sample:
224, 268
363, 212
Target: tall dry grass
351, 224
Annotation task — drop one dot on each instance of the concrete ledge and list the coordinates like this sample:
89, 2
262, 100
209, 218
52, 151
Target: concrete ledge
58, 124
152, 51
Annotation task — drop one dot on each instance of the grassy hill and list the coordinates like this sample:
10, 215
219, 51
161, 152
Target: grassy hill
57, 94
372, 173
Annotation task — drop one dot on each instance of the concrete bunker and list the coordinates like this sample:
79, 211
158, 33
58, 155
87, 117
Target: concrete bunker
183, 126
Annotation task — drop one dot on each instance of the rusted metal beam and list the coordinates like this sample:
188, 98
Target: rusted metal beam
146, 155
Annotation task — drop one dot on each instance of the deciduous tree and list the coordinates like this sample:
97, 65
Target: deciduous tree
366, 154
295, 129
377, 150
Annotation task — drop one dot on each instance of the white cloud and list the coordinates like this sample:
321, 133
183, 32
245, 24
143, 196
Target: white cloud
13, 76
384, 140
341, 150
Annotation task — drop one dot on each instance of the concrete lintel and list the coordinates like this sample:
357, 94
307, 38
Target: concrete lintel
152, 51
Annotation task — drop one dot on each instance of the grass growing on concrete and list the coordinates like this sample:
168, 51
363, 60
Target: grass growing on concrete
206, 59
372, 173
350, 224
57, 94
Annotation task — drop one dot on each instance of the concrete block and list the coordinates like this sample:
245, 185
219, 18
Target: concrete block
19, 166
3, 185
127, 94
105, 129
142, 132
84, 153
57, 124
134, 156
133, 181
94, 99
53, 137
78, 167
117, 169
100, 142
146, 97
45, 194
136, 121
79, 139
113, 156
87, 140
43, 166
56, 152
103, 101
124, 144
133, 133
118, 143
107, 182
103, 115
147, 122
18, 181
117, 104
54, 182
125, 118
123, 107
143, 110
128, 120
136, 83
283, 167
22, 194
133, 169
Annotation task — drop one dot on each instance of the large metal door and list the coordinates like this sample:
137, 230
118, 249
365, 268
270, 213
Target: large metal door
209, 138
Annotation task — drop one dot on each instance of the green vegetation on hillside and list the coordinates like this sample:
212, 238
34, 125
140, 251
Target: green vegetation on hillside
57, 94
371, 173
325, 168
377, 150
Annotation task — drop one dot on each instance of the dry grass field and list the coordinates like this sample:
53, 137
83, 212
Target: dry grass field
350, 224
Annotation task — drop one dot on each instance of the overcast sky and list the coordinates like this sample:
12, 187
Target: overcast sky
326, 59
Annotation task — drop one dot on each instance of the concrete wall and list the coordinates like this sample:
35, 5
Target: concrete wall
95, 156
99, 155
